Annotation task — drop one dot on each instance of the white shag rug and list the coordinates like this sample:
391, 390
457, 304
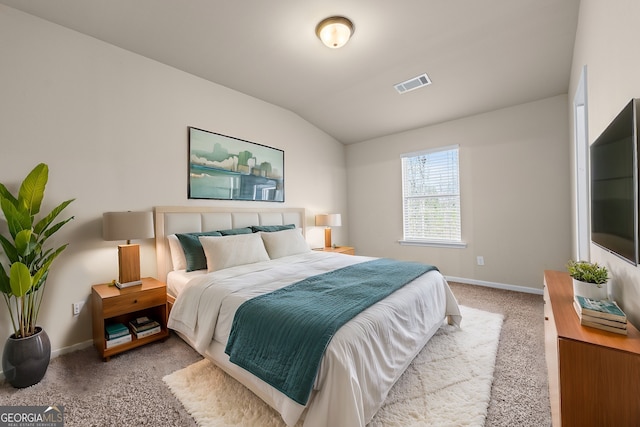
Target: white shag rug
447, 384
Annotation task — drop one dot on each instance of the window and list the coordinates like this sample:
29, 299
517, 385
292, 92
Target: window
431, 197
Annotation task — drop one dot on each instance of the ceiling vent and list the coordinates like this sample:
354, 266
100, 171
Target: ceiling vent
414, 83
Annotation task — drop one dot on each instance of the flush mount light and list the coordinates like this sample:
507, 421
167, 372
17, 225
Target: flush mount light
335, 31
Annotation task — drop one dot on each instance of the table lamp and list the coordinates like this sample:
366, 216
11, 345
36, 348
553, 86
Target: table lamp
328, 220
128, 226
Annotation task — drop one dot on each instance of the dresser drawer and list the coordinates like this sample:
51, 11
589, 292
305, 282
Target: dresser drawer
128, 302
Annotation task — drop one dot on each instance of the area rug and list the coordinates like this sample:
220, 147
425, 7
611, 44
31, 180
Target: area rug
447, 384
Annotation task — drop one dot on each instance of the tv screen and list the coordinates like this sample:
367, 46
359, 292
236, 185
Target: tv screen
614, 189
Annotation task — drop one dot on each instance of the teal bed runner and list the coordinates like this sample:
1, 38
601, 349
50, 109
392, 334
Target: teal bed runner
281, 336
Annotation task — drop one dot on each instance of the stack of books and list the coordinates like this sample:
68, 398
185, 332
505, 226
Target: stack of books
601, 314
143, 326
116, 334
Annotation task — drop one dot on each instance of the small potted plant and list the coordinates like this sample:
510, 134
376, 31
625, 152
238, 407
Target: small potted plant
589, 279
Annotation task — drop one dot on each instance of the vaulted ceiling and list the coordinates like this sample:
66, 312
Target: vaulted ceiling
481, 55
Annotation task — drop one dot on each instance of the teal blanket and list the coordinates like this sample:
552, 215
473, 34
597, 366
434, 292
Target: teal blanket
281, 336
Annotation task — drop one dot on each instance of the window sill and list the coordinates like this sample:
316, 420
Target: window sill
433, 243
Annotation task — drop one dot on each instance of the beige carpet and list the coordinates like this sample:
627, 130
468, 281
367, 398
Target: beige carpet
101, 394
448, 384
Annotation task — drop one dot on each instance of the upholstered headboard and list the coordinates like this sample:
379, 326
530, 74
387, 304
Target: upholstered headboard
184, 219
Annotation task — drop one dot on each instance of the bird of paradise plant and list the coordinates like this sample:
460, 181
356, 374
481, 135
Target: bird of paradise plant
22, 281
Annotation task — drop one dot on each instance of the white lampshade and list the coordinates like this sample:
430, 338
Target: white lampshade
127, 225
335, 31
329, 220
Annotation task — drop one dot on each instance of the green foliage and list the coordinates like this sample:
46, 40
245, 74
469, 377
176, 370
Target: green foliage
22, 281
585, 271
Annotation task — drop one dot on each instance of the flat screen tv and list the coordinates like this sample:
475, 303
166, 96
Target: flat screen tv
614, 185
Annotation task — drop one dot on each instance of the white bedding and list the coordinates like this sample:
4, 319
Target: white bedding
177, 280
363, 360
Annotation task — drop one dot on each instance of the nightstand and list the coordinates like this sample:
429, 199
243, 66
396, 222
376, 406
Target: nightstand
347, 250
110, 305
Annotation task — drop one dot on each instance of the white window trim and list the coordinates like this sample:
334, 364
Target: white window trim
459, 244
430, 150
435, 244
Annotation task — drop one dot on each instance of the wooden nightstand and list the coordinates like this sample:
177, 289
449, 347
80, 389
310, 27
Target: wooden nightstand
347, 250
112, 305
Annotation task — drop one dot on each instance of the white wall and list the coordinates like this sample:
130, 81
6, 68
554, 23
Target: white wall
515, 192
607, 42
112, 126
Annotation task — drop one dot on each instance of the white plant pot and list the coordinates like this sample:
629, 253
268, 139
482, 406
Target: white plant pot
590, 290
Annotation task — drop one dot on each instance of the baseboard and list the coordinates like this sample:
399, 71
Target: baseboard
496, 285
64, 350
71, 348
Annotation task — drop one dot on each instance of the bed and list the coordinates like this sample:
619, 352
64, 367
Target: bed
366, 355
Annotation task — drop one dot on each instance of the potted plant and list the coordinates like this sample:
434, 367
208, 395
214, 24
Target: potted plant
589, 279
22, 282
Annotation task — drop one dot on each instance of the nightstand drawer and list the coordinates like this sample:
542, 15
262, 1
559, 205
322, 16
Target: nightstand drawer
132, 301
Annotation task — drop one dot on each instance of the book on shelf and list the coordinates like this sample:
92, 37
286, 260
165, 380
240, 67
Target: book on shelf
141, 324
148, 332
116, 330
599, 322
603, 309
117, 341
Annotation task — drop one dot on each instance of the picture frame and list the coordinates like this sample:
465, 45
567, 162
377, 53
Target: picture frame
223, 167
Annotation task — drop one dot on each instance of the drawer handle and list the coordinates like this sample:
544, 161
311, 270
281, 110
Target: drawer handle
546, 318
135, 301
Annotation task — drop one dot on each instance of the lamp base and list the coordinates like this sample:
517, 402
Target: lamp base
129, 263
128, 284
327, 237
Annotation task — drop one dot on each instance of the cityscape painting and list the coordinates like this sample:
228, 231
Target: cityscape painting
228, 168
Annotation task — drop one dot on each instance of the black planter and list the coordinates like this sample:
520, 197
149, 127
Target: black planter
25, 360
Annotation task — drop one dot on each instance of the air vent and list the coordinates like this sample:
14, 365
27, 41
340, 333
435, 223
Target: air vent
414, 83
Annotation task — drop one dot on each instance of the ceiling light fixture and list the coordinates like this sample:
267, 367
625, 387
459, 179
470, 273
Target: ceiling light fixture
335, 31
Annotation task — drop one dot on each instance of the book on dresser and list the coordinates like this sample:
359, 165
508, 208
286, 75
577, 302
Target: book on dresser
600, 308
601, 314
144, 326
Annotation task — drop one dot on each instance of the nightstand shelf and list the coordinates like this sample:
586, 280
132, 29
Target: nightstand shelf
113, 305
347, 250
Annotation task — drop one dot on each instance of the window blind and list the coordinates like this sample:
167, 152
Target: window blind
431, 196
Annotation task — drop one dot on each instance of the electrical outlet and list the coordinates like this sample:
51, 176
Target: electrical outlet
480, 260
77, 306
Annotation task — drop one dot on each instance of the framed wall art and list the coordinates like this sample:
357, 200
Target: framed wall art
227, 168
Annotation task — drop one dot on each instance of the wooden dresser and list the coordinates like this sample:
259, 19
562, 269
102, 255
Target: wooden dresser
594, 375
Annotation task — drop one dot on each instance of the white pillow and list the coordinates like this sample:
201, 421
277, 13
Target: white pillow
229, 251
177, 254
284, 243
